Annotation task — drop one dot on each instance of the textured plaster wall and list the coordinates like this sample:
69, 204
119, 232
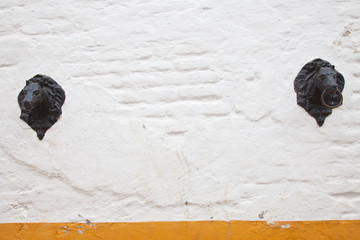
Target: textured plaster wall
179, 110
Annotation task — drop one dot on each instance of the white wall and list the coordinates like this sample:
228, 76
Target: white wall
179, 110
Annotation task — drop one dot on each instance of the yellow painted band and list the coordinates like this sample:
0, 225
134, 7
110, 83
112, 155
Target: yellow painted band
251, 230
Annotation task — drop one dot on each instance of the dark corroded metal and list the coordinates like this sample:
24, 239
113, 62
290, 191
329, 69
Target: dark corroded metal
40, 102
318, 87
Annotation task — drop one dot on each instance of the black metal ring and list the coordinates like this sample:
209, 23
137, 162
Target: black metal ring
327, 105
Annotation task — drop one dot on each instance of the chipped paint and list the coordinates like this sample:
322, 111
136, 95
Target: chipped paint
271, 223
285, 226
81, 230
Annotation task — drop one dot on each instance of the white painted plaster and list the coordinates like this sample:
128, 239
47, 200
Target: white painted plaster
179, 110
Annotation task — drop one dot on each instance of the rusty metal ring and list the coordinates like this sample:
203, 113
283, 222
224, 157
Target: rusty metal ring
327, 105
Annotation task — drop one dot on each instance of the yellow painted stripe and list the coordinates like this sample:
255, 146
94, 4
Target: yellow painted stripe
252, 230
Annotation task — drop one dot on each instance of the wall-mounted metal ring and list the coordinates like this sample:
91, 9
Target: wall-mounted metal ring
331, 106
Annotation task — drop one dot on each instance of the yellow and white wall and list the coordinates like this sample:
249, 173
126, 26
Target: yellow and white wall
180, 120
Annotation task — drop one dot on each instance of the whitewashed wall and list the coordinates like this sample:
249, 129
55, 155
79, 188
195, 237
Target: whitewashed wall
179, 110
